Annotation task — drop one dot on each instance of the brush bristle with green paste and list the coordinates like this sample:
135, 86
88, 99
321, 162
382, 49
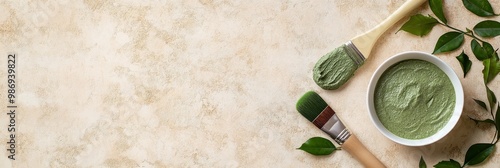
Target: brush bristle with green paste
337, 67
310, 105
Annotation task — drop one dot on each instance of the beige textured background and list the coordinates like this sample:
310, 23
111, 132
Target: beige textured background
204, 83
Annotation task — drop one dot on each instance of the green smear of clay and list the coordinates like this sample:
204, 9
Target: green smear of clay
334, 69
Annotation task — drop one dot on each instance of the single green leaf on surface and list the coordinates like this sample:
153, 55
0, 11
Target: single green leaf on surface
492, 99
422, 164
490, 51
448, 164
487, 121
465, 62
477, 153
487, 28
448, 42
478, 50
318, 146
479, 7
437, 9
419, 25
491, 69
481, 103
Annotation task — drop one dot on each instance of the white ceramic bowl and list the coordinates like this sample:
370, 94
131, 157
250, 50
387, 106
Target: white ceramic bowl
445, 68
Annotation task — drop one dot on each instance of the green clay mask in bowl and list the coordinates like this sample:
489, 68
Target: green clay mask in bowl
415, 99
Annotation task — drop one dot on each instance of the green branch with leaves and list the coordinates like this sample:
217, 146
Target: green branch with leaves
421, 25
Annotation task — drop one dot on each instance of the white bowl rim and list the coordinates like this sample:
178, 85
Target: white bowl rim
459, 100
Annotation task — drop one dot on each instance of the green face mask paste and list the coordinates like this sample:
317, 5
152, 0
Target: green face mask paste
414, 99
334, 69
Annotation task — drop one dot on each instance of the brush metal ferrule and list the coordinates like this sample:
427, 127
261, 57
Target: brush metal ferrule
329, 123
354, 53
343, 136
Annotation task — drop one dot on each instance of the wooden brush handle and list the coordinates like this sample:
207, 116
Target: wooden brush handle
365, 42
356, 149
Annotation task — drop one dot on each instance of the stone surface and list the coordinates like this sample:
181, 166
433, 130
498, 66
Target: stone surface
205, 83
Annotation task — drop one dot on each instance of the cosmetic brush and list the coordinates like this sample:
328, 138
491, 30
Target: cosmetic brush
337, 67
316, 110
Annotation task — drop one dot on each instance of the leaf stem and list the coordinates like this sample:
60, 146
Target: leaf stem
466, 33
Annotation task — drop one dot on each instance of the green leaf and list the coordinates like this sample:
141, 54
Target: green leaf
318, 146
422, 164
487, 121
479, 7
478, 50
437, 9
487, 28
465, 62
477, 153
491, 69
419, 25
492, 99
448, 164
448, 42
481, 103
